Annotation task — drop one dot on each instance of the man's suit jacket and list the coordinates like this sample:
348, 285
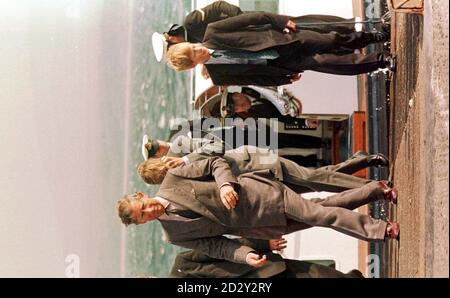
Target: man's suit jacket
238, 33
260, 213
196, 22
192, 264
183, 145
247, 159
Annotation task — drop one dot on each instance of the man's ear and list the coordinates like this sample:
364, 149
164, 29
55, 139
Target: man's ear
140, 195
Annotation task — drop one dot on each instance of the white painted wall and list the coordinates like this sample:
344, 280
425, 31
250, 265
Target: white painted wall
323, 93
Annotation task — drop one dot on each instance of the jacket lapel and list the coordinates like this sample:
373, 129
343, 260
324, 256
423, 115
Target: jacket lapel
184, 195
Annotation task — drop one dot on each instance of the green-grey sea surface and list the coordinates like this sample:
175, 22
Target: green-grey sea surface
158, 96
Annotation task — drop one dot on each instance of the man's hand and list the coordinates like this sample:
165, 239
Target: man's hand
172, 162
204, 72
290, 27
255, 260
312, 123
277, 244
228, 196
296, 77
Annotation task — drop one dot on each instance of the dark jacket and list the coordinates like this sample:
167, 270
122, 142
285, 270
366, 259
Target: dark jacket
193, 264
237, 33
196, 22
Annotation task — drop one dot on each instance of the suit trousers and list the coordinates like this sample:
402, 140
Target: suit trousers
334, 178
315, 52
325, 23
351, 223
350, 166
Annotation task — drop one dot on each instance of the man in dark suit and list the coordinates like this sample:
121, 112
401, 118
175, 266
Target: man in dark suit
192, 264
196, 22
199, 203
235, 54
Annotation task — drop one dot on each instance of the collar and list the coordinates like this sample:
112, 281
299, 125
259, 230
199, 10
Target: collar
163, 202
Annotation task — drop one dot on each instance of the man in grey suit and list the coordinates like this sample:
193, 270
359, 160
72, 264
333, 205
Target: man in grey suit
334, 178
199, 203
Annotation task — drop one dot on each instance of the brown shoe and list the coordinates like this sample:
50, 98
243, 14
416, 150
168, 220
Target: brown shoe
393, 230
390, 193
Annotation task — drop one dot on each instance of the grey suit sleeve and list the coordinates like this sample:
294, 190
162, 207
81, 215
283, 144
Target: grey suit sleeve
260, 245
197, 156
278, 22
221, 171
219, 248
212, 166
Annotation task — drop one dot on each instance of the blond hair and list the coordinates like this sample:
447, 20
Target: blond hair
178, 56
153, 170
124, 209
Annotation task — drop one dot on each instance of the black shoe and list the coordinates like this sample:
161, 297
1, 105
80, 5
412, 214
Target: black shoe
386, 29
360, 153
378, 37
378, 160
389, 62
387, 47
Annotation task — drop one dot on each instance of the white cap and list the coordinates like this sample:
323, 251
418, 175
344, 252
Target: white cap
143, 149
223, 103
159, 44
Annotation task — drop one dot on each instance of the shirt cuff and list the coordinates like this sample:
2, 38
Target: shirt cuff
225, 183
186, 160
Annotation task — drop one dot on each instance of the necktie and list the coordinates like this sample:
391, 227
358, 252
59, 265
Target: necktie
264, 54
184, 212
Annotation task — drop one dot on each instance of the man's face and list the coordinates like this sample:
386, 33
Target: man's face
241, 103
145, 209
174, 39
198, 53
162, 149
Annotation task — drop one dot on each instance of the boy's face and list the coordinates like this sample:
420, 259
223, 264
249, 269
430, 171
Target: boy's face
198, 53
